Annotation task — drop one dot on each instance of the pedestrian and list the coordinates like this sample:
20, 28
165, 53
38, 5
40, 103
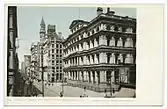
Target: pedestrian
105, 93
113, 92
85, 93
61, 94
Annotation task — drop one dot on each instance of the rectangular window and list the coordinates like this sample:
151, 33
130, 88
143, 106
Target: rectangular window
52, 45
57, 51
60, 51
60, 46
57, 45
52, 50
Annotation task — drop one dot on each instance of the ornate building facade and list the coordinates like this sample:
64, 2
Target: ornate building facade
101, 54
13, 73
34, 61
52, 51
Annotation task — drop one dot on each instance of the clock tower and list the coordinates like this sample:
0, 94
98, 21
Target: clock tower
42, 30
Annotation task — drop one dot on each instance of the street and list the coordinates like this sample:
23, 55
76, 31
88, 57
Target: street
54, 91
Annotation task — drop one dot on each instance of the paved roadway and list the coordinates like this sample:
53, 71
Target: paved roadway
54, 91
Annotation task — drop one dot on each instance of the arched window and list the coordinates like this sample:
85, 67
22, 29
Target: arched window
112, 28
112, 41
108, 27
128, 59
120, 29
120, 59
120, 42
127, 42
112, 58
116, 28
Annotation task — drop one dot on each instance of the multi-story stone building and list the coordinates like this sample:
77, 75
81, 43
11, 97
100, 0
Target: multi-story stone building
27, 65
34, 64
101, 54
52, 48
12, 59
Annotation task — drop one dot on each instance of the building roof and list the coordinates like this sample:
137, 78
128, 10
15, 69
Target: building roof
57, 36
75, 22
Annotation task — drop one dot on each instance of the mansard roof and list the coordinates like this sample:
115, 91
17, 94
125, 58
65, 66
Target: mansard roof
75, 22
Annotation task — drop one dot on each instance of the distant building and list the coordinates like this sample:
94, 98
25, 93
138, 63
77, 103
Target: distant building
34, 64
27, 64
12, 59
22, 67
52, 47
101, 54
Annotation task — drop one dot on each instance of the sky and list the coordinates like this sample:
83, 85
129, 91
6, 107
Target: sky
29, 19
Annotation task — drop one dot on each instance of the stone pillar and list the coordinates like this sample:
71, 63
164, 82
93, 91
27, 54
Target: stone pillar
84, 76
96, 77
88, 63
112, 58
77, 75
91, 45
104, 40
95, 59
112, 42
91, 76
80, 75
84, 60
95, 42
91, 59
112, 76
79, 47
100, 40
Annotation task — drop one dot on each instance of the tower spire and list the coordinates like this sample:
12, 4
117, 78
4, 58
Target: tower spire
42, 22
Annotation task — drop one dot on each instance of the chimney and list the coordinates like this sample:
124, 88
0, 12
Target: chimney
99, 11
108, 9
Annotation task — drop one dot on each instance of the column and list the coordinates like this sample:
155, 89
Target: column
112, 42
95, 59
104, 40
112, 76
96, 77
88, 61
84, 75
100, 40
84, 60
91, 59
79, 47
91, 76
77, 75
87, 76
112, 58
80, 75
91, 45
95, 42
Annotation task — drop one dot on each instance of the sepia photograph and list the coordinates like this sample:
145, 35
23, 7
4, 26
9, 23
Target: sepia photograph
71, 52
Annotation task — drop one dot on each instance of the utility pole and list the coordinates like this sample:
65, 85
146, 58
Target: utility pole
42, 70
